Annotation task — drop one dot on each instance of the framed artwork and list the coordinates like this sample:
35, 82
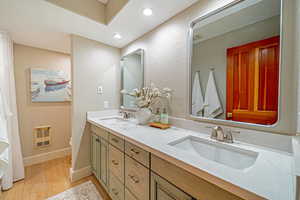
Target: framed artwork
50, 85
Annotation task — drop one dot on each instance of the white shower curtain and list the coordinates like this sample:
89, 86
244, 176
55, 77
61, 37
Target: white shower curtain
10, 129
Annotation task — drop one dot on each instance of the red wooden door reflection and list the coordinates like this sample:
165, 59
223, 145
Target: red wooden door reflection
253, 82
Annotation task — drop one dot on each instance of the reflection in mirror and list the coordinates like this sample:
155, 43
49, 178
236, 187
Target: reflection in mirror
132, 76
235, 63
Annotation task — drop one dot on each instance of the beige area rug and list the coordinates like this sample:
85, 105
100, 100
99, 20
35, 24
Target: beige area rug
84, 191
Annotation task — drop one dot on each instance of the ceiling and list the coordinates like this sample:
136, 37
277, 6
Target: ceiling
41, 24
236, 17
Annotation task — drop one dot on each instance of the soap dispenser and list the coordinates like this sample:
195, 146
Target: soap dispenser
164, 117
157, 116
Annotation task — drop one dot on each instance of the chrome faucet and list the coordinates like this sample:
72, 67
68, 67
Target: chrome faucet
219, 134
125, 114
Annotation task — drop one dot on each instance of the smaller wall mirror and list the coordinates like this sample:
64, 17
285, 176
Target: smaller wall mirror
132, 76
235, 63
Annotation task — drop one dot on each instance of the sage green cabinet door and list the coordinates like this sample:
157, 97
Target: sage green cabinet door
163, 190
93, 153
98, 158
104, 162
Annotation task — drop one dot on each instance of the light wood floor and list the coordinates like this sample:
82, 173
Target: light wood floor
45, 180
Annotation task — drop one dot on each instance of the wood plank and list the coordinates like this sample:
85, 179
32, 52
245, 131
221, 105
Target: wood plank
47, 179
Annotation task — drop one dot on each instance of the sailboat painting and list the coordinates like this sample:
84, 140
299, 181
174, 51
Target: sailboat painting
50, 85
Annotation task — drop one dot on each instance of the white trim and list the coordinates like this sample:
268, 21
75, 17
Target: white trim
80, 173
31, 160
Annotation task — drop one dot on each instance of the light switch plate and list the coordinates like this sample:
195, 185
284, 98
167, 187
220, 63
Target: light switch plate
99, 90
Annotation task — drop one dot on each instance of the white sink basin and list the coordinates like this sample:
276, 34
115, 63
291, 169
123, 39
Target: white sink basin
225, 154
119, 122
113, 120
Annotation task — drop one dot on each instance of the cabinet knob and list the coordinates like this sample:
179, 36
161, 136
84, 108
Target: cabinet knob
134, 178
134, 151
115, 140
115, 192
229, 115
114, 162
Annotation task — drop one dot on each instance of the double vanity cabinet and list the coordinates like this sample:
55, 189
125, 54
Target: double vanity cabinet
129, 172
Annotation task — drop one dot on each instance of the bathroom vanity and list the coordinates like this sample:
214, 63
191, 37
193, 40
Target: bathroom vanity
134, 162
241, 69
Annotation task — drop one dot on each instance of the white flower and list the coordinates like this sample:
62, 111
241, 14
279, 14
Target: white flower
148, 96
167, 90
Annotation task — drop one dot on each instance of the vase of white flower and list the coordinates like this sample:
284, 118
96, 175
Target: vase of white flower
143, 115
146, 98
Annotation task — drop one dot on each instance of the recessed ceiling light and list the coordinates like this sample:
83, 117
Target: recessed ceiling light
117, 36
147, 12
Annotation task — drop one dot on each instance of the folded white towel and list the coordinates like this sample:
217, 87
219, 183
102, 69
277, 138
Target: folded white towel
197, 97
212, 104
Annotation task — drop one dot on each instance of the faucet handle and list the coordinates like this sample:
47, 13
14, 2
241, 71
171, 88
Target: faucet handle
228, 136
220, 133
126, 114
214, 133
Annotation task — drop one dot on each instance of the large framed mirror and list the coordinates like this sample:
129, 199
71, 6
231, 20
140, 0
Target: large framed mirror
235, 62
132, 76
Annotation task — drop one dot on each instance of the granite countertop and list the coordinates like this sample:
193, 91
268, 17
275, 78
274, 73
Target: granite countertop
272, 176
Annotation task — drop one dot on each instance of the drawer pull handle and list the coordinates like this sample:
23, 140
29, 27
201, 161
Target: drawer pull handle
97, 140
134, 178
115, 192
114, 162
134, 151
115, 140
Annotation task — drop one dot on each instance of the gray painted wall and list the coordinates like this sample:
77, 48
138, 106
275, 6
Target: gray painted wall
93, 64
166, 61
33, 114
297, 58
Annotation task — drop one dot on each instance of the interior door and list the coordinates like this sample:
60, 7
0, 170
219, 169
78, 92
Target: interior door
253, 82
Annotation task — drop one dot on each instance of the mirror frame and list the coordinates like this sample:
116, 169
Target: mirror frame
190, 53
122, 73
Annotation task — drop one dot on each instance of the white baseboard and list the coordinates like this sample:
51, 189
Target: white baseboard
31, 160
80, 173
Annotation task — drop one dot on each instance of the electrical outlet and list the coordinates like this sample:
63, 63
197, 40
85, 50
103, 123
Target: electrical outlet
99, 90
106, 104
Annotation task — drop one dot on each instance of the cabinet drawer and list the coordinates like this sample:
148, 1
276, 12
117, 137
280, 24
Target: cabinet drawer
129, 196
137, 178
163, 190
116, 188
187, 181
116, 141
100, 132
137, 153
116, 162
